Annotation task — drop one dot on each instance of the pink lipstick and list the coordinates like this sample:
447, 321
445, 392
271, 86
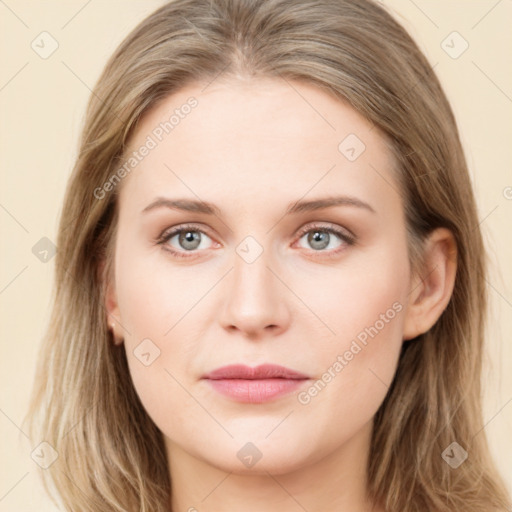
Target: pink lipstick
255, 385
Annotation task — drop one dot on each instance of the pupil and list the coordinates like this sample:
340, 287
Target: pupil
189, 239
316, 238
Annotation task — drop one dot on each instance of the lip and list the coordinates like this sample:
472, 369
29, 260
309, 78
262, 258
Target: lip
261, 384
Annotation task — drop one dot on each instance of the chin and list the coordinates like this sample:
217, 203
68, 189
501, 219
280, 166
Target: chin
262, 456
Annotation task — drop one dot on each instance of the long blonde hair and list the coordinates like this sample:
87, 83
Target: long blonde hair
111, 454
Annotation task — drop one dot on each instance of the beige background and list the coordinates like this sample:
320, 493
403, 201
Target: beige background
42, 102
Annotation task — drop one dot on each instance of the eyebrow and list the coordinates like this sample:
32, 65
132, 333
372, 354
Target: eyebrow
191, 205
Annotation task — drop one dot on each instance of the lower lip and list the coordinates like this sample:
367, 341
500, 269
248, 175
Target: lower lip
255, 391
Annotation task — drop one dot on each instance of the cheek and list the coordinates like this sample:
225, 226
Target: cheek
365, 293
152, 293
156, 303
365, 308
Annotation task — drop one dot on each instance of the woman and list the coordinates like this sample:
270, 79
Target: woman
270, 277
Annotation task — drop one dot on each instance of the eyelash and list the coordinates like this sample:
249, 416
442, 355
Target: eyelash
347, 237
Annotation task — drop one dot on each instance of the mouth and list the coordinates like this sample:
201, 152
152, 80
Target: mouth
255, 385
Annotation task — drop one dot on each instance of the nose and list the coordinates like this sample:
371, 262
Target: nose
256, 300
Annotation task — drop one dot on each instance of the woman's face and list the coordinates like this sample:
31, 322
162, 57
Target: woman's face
321, 289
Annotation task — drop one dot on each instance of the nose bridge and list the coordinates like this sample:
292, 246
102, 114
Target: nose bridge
255, 298
250, 273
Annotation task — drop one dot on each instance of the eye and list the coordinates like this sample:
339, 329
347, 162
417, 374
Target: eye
191, 238
320, 238
187, 238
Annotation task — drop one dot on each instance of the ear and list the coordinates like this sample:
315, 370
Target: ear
432, 289
111, 306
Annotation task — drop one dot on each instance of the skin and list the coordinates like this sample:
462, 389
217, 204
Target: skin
253, 148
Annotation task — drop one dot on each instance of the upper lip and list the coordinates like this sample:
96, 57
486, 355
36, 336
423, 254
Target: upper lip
264, 371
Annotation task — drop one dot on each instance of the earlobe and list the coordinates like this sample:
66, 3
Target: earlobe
432, 289
113, 315
111, 306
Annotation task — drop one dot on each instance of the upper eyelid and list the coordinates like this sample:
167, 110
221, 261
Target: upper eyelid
329, 227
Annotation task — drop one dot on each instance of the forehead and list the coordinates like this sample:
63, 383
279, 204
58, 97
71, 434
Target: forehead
274, 136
